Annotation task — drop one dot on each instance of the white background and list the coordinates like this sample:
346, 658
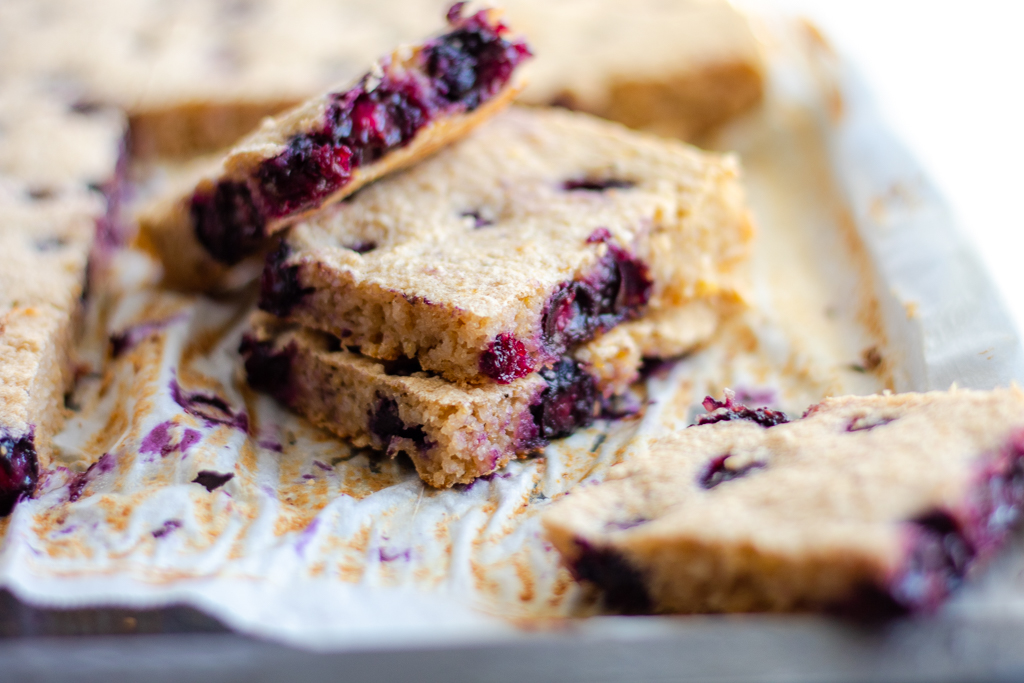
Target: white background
948, 78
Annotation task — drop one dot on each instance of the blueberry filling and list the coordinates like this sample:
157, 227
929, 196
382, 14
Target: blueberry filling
385, 425
268, 369
19, 469
280, 288
716, 472
568, 401
597, 184
211, 480
614, 291
309, 169
727, 410
622, 584
505, 360
460, 70
228, 222
937, 563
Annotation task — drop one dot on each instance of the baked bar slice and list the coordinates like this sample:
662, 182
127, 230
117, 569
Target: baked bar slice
454, 433
49, 141
866, 503
676, 68
501, 253
410, 104
196, 75
45, 240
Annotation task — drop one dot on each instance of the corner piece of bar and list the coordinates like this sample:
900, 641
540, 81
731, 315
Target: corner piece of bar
868, 505
407, 106
535, 234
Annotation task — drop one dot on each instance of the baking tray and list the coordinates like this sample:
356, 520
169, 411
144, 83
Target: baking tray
930, 289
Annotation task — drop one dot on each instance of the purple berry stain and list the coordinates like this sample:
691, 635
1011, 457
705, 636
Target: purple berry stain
461, 69
717, 472
166, 528
19, 469
727, 410
76, 486
213, 410
127, 339
211, 480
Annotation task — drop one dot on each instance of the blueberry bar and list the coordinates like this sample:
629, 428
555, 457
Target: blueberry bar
676, 68
453, 433
410, 104
45, 239
505, 251
867, 504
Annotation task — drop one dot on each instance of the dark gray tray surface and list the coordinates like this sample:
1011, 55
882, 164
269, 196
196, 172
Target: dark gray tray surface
182, 644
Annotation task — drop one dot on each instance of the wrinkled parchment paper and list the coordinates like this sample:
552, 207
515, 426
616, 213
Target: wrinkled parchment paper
179, 485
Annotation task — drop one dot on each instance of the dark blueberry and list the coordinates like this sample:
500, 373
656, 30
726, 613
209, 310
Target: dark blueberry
724, 411
715, 472
268, 369
372, 123
599, 236
597, 184
472, 62
572, 316
307, 171
478, 220
385, 424
505, 360
622, 584
402, 367
19, 469
936, 564
568, 401
614, 290
228, 222
362, 247
280, 288
211, 480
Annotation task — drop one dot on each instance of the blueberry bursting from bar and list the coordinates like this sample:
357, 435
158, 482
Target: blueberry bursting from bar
451, 74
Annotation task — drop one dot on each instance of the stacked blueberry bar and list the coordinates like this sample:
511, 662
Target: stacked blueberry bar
493, 297
406, 106
867, 504
54, 157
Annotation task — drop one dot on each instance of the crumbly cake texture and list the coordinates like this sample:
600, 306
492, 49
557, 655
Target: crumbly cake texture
407, 106
196, 75
494, 257
46, 240
453, 432
866, 504
49, 141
